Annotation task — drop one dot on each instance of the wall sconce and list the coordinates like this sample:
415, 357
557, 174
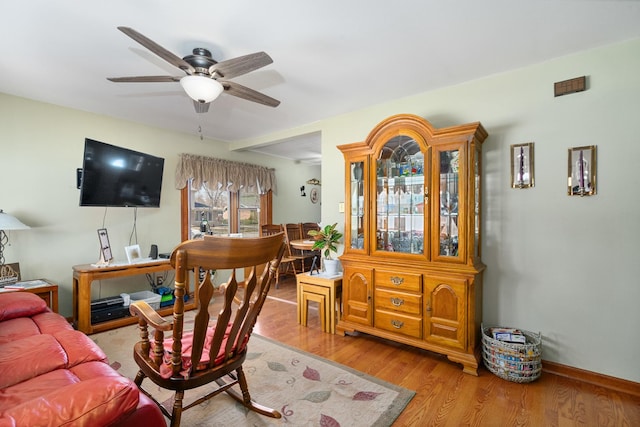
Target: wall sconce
302, 193
522, 165
582, 171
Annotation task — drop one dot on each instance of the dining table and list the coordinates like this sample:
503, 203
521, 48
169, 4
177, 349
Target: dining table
302, 244
306, 245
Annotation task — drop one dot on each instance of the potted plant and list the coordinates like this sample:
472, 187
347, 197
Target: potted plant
326, 240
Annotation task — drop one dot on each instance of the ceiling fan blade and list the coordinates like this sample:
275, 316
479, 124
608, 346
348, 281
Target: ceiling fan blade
158, 50
244, 92
201, 107
241, 65
142, 79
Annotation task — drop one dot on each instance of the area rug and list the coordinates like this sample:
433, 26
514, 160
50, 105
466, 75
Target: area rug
306, 389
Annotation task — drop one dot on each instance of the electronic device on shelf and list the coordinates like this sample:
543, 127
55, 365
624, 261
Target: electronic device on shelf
101, 303
109, 313
108, 308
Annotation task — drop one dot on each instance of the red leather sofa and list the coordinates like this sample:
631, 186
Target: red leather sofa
53, 375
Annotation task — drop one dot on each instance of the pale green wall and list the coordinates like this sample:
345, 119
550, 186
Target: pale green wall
42, 146
560, 265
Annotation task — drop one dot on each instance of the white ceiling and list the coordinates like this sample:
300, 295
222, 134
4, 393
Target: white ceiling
330, 57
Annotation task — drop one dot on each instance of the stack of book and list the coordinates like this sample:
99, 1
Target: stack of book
508, 335
27, 284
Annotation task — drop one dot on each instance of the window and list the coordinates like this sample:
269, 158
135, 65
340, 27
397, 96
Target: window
240, 205
219, 211
209, 210
249, 213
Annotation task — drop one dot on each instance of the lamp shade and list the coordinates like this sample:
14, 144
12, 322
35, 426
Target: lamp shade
201, 89
8, 222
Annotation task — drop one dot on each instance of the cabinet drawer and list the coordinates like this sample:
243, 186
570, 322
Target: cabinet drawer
398, 323
398, 280
399, 301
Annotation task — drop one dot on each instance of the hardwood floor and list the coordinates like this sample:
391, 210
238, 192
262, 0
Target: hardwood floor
445, 396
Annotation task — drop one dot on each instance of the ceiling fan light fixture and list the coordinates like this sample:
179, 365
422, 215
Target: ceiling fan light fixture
201, 89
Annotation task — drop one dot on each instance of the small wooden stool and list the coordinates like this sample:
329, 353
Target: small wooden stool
327, 292
322, 307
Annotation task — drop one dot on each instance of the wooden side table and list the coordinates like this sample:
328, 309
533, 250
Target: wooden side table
324, 290
48, 292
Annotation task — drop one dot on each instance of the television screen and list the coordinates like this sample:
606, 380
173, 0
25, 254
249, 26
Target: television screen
116, 176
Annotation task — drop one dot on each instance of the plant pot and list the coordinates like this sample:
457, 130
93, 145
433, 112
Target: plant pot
331, 266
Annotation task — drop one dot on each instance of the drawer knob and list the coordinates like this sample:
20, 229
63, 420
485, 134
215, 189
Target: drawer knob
396, 280
397, 324
397, 301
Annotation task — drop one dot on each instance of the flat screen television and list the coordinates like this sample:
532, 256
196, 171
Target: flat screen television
116, 177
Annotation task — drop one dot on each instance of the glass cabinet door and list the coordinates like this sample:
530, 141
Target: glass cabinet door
400, 197
356, 224
449, 203
476, 203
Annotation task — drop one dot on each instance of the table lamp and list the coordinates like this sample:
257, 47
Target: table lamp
7, 222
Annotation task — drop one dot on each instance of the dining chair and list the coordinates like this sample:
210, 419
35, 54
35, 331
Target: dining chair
293, 231
308, 226
288, 263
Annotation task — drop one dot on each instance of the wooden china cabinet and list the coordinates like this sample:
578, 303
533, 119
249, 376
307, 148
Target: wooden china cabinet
412, 267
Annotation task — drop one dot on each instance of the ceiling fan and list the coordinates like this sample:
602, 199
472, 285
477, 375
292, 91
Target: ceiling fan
206, 78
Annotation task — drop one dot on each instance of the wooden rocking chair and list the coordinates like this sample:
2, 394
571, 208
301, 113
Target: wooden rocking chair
214, 353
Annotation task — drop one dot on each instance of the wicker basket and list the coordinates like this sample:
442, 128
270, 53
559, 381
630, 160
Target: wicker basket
520, 363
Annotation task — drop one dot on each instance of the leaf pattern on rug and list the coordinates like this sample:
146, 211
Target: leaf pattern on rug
318, 396
277, 366
327, 421
115, 365
286, 412
311, 374
252, 356
365, 395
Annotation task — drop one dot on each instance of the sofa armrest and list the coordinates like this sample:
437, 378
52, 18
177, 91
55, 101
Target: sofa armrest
146, 414
20, 304
95, 402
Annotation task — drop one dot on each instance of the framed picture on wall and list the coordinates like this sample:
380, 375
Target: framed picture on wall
522, 173
581, 180
313, 195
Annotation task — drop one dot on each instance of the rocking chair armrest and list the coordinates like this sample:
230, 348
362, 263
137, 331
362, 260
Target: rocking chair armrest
144, 311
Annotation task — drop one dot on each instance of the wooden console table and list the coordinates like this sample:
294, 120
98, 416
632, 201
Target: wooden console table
85, 274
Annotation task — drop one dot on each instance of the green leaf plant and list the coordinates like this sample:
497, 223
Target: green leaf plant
326, 239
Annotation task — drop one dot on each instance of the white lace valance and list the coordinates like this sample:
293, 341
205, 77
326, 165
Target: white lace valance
235, 175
